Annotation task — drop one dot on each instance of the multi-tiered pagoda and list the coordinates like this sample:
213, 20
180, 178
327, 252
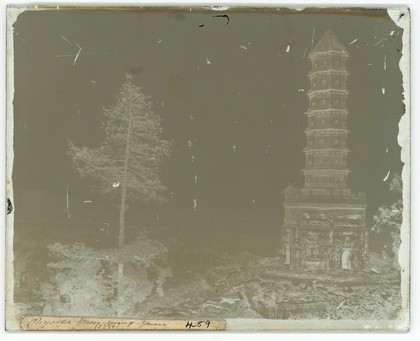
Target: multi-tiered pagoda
325, 223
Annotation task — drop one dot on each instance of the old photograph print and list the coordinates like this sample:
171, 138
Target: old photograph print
201, 163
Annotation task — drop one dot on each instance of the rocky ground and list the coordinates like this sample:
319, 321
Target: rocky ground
257, 287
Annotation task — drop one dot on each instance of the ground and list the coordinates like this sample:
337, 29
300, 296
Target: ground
213, 283
258, 287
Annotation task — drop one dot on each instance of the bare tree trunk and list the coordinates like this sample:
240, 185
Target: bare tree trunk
121, 236
120, 245
123, 205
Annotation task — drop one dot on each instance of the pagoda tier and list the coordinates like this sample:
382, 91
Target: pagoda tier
326, 150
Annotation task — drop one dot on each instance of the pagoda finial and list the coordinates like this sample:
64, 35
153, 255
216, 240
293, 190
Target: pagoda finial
328, 42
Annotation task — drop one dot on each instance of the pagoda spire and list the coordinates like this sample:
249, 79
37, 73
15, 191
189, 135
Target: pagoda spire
326, 150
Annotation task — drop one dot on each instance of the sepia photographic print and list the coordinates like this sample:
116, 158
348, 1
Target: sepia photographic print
211, 168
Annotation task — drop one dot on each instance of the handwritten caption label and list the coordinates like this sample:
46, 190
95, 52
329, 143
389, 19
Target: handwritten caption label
90, 323
198, 325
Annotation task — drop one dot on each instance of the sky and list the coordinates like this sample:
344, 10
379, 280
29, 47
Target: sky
231, 94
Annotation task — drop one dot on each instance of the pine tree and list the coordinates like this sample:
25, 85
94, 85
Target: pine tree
129, 158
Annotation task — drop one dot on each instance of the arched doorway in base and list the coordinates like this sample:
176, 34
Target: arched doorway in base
346, 260
287, 255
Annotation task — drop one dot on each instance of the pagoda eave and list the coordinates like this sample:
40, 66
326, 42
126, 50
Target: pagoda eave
308, 150
326, 171
340, 52
327, 110
311, 131
329, 91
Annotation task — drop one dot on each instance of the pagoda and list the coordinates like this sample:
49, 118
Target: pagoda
325, 223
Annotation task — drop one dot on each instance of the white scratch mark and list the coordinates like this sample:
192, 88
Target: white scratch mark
353, 41
383, 91
208, 61
77, 55
192, 118
93, 82
195, 204
87, 201
385, 62
163, 103
116, 184
391, 33
77, 107
380, 41
386, 150
301, 90
304, 53
190, 144
159, 40
192, 158
64, 38
386, 176
234, 148
68, 203
288, 48
195, 179
65, 55
244, 47
253, 201
370, 64
313, 36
